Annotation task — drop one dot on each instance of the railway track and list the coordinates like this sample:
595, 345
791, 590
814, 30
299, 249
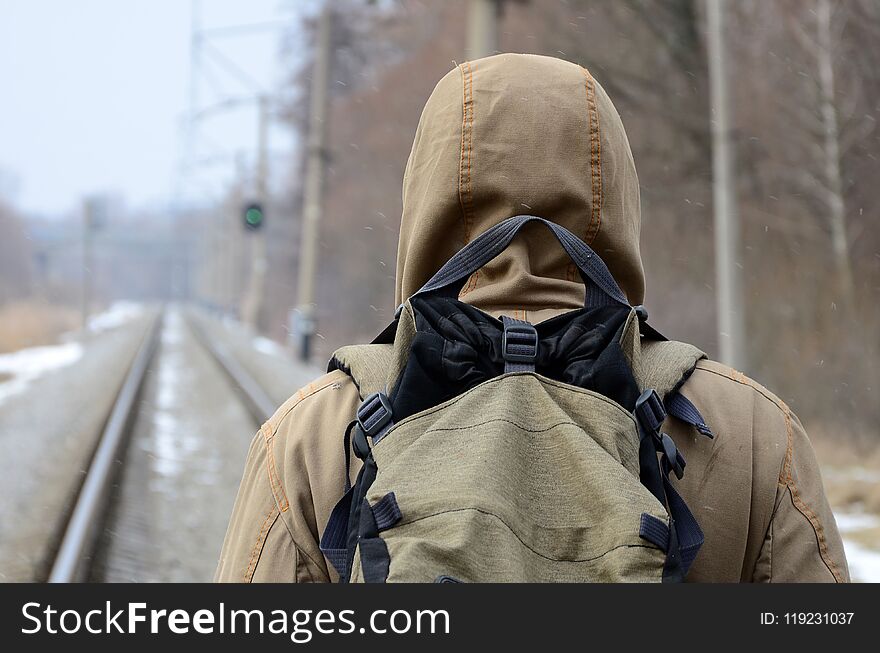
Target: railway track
175, 438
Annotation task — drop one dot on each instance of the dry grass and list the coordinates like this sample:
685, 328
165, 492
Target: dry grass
31, 323
867, 537
850, 469
852, 495
854, 450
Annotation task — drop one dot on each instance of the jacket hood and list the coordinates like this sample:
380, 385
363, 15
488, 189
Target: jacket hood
513, 134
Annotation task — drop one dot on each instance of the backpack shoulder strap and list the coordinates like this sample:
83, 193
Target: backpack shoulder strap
661, 367
666, 365
367, 365
377, 367
656, 362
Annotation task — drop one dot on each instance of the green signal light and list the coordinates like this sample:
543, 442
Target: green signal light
253, 216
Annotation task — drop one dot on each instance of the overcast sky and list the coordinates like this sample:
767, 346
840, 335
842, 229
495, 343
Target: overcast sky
94, 96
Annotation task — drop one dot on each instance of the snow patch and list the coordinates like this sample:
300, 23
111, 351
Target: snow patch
847, 522
26, 365
267, 346
115, 316
864, 562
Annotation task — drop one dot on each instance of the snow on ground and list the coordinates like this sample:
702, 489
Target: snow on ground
117, 315
864, 562
270, 347
25, 365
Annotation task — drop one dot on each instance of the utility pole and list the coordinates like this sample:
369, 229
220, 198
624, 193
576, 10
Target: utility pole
253, 299
219, 272
314, 184
727, 236
88, 229
482, 29
831, 151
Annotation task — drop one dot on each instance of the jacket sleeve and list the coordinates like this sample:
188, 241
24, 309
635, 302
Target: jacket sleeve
294, 474
257, 544
802, 543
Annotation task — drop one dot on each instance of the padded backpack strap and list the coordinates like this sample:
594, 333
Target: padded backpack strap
367, 365
375, 369
666, 365
683, 536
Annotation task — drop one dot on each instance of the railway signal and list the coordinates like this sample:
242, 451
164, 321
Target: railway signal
253, 216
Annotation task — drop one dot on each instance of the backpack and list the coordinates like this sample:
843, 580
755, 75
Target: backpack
501, 451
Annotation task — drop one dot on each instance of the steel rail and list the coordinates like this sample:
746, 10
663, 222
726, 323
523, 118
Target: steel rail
77, 547
257, 401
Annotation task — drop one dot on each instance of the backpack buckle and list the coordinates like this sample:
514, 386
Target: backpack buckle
650, 411
519, 343
374, 414
674, 458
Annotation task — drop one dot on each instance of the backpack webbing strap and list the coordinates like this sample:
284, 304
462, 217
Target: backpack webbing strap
334, 541
601, 288
666, 366
519, 345
685, 536
373, 420
681, 408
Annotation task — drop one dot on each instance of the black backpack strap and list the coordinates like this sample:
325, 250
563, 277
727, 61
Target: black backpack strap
666, 366
334, 541
601, 288
684, 536
680, 407
374, 418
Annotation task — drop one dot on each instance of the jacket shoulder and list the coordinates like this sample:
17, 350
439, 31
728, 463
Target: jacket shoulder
740, 410
307, 397
724, 376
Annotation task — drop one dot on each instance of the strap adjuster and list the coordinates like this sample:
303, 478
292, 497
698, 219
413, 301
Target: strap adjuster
359, 443
650, 411
674, 459
519, 343
374, 414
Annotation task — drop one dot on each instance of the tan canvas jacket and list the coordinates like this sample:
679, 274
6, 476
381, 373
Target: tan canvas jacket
515, 134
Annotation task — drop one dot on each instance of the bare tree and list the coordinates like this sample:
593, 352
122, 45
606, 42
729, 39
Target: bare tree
829, 124
831, 149
724, 187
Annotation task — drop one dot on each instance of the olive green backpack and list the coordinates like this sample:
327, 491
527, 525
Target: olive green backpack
500, 451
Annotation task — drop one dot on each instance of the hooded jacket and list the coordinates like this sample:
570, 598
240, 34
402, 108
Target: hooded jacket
502, 136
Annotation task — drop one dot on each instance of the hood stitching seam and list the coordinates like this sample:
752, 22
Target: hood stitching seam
465, 180
596, 190
595, 161
465, 187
